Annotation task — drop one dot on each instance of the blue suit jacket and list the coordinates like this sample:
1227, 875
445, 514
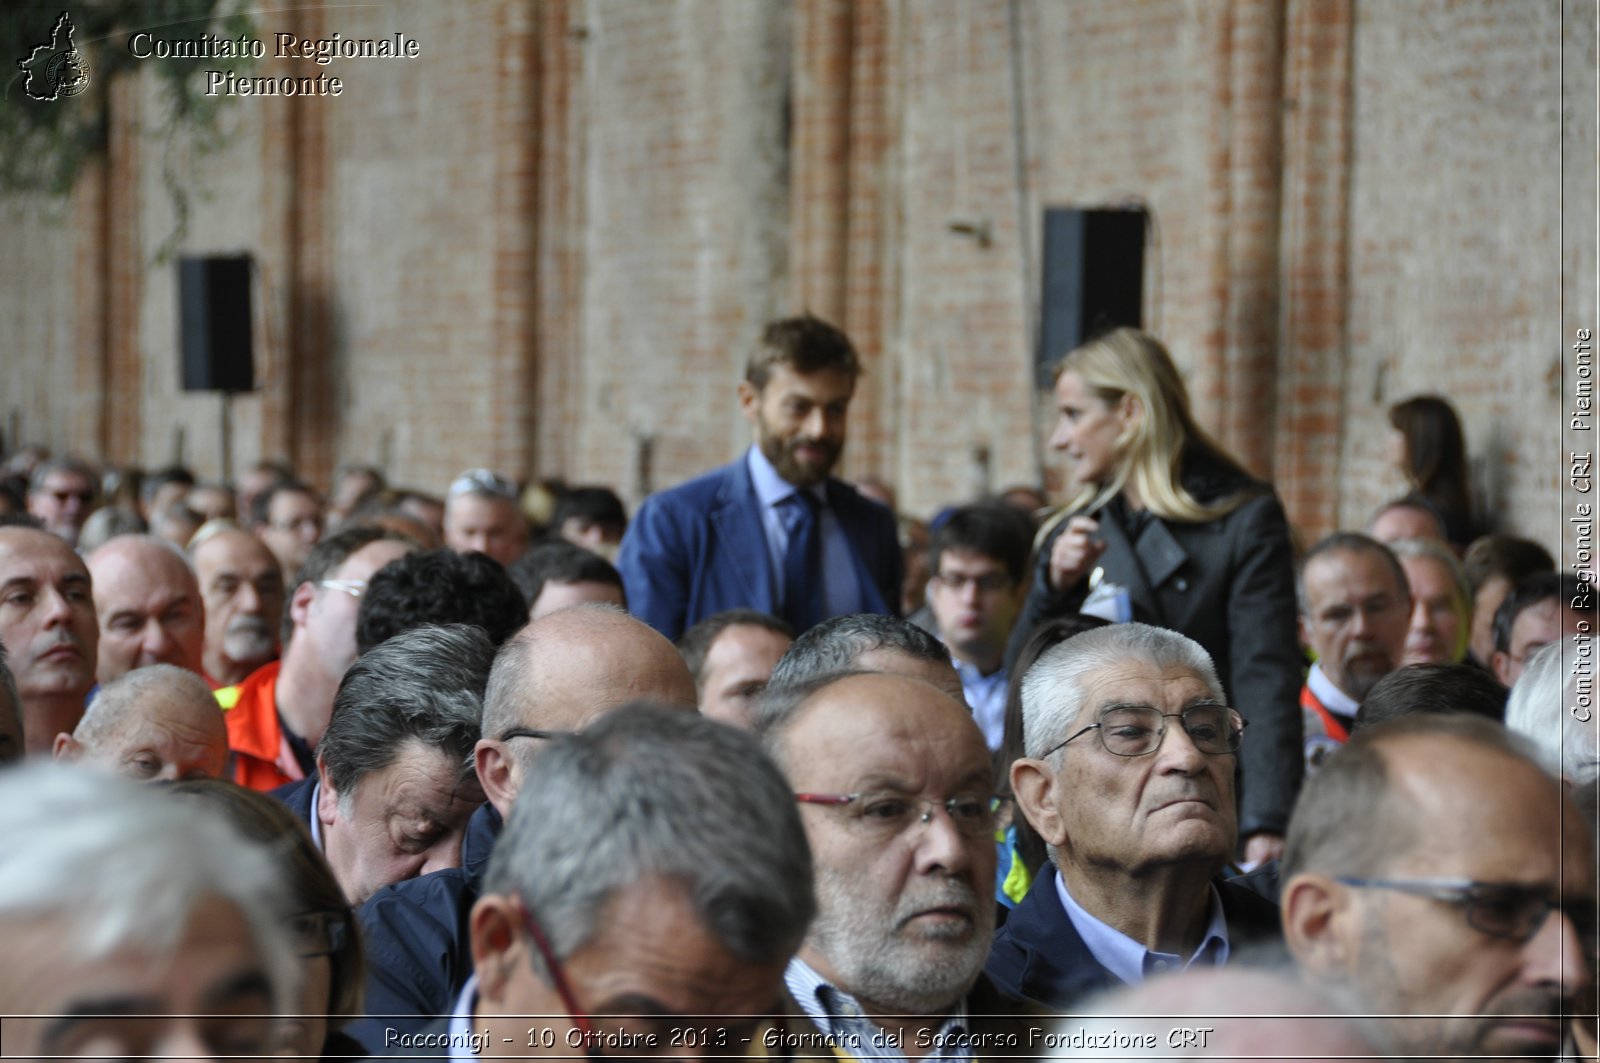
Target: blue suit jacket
297, 795
1039, 956
700, 548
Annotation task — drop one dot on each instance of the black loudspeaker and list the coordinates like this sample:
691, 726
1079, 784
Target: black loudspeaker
1093, 278
214, 323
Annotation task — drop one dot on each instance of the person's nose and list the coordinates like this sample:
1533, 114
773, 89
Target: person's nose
940, 845
248, 598
1177, 751
815, 423
1061, 438
157, 643
58, 610
1557, 957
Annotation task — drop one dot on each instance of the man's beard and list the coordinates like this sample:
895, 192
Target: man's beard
1361, 678
248, 638
905, 970
783, 458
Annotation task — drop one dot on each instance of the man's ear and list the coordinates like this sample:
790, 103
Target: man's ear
300, 602
66, 748
327, 809
1034, 784
1501, 663
1318, 919
496, 774
496, 949
1303, 630
749, 401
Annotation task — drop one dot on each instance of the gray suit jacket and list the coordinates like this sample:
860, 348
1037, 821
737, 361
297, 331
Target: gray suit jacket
1229, 585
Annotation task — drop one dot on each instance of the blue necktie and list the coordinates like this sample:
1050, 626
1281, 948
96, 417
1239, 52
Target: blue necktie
802, 563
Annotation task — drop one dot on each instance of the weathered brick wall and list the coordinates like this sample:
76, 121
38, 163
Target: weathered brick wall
546, 244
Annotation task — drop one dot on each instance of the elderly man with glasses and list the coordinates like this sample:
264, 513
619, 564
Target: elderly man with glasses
277, 715
1438, 872
896, 789
1129, 779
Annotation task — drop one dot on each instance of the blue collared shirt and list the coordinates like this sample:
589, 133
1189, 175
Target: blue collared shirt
1130, 961
986, 694
841, 591
839, 1016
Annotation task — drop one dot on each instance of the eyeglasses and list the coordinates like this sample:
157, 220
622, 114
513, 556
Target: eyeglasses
558, 978
63, 497
483, 482
355, 588
1499, 909
988, 583
1137, 730
319, 933
535, 732
886, 814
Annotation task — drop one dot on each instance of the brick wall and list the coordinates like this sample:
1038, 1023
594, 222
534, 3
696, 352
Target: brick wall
544, 245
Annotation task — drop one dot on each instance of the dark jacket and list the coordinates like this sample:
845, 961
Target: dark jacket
700, 548
419, 953
1229, 585
1039, 956
297, 795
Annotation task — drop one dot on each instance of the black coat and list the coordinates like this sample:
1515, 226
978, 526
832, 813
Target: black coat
1038, 955
1229, 585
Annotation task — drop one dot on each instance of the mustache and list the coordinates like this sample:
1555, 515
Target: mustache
248, 625
948, 894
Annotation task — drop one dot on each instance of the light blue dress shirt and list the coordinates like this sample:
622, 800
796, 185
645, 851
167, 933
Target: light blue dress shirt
841, 591
1129, 960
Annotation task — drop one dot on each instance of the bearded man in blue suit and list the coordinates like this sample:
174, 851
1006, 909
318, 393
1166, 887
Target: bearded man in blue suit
773, 531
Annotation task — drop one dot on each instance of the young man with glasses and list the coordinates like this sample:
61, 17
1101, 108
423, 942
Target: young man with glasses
978, 560
1437, 872
896, 789
1129, 779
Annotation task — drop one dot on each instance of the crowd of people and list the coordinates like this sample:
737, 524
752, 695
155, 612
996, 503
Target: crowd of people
769, 769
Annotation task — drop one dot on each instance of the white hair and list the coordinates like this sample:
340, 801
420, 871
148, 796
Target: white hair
126, 865
1553, 706
1053, 689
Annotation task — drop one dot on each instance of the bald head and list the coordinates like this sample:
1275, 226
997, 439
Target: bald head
561, 672
148, 603
158, 722
243, 589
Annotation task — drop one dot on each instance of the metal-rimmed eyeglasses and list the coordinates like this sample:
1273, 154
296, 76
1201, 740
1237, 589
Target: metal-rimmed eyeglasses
1137, 730
1500, 909
889, 814
355, 588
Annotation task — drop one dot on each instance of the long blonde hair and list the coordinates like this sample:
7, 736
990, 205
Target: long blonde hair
1128, 361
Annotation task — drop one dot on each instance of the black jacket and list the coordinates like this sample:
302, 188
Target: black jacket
1229, 585
1039, 956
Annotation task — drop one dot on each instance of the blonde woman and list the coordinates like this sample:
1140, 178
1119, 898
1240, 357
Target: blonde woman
1168, 529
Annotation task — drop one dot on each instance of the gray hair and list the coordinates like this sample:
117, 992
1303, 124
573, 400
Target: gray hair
112, 707
1550, 687
125, 865
1053, 689
836, 645
1437, 551
424, 684
776, 707
647, 791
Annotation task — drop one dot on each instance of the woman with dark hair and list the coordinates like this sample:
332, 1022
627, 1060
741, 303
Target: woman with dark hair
1168, 529
1428, 447
332, 966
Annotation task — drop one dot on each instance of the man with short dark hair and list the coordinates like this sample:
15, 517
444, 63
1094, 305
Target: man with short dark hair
277, 715
731, 655
978, 562
591, 517
1538, 611
482, 513
774, 531
394, 785
148, 604
288, 518
1494, 564
1437, 872
555, 676
1355, 608
48, 626
1432, 688
555, 575
1129, 779
242, 587
157, 723
864, 642
61, 493
440, 587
